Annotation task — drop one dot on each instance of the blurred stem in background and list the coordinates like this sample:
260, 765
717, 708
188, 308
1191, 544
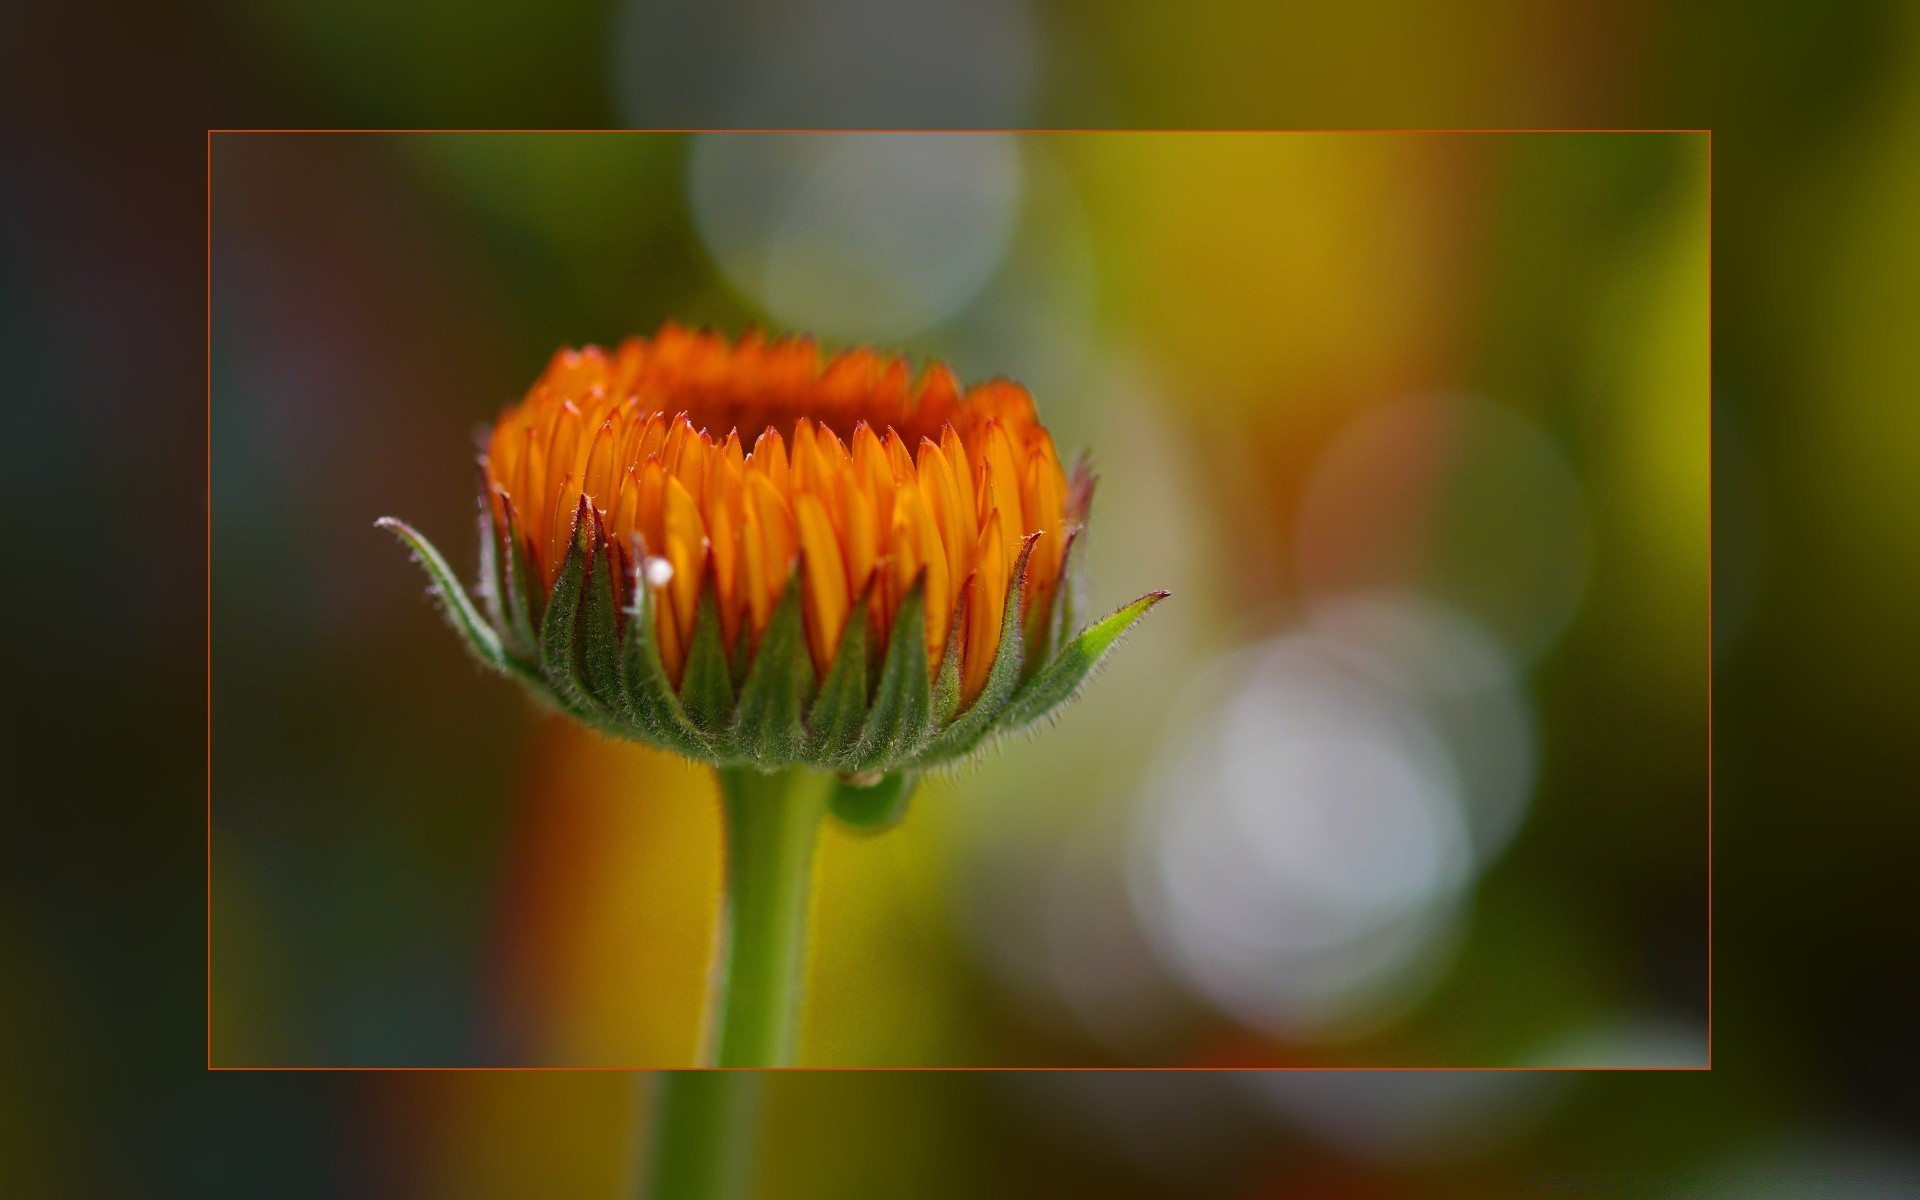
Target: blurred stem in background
702, 1146
772, 824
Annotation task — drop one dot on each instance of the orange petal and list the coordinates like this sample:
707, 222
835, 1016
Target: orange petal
653, 439
776, 524
564, 452
834, 459
530, 502
689, 464
772, 520
686, 550
913, 521
626, 508
873, 474
673, 651
939, 393
538, 504
600, 471
1045, 499
770, 459
560, 523
761, 591
723, 549
1003, 481
986, 606
962, 468
859, 531
806, 470
899, 457
650, 506
826, 581
956, 526
504, 450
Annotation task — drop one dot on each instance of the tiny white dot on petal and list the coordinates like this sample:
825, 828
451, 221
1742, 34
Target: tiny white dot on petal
659, 571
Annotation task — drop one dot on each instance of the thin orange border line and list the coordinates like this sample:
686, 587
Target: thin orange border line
209, 570
212, 1066
1709, 600
962, 129
1200, 1069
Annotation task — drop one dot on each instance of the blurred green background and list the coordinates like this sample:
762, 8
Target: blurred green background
377, 917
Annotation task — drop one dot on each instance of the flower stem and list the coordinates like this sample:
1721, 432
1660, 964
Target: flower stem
772, 824
702, 1148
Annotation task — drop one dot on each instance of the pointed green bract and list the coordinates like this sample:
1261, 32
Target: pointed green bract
946, 682
706, 686
454, 601
741, 660
1037, 629
598, 635
1073, 588
557, 650
767, 728
652, 707
841, 708
902, 708
965, 733
1057, 682
561, 661
522, 599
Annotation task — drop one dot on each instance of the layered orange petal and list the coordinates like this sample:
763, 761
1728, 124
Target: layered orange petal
737, 464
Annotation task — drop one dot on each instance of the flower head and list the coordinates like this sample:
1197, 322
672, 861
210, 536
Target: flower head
748, 554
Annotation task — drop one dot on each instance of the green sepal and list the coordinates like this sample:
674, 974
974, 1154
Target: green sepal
522, 597
493, 586
767, 728
1071, 594
965, 733
1060, 679
598, 635
706, 685
560, 660
875, 808
454, 601
901, 714
741, 659
834, 722
946, 682
652, 708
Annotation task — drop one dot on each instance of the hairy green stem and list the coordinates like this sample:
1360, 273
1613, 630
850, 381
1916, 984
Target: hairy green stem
702, 1146
772, 822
